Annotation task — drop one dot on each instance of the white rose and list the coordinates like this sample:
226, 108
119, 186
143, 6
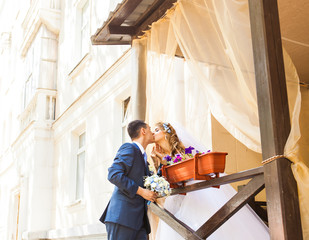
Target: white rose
166, 192
153, 185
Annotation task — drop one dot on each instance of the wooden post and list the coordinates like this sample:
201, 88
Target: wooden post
281, 188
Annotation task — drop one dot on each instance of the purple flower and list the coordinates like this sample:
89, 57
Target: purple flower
178, 158
188, 150
197, 151
167, 158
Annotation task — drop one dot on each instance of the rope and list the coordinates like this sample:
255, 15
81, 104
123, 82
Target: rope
268, 160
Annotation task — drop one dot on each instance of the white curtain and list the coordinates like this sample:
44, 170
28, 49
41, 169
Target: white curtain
215, 39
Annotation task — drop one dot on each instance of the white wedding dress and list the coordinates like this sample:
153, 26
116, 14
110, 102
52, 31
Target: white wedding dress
195, 208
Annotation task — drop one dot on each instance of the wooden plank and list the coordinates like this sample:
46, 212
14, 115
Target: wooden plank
281, 190
261, 212
184, 230
119, 30
156, 4
102, 35
124, 11
257, 206
111, 43
154, 16
231, 207
151, 14
235, 177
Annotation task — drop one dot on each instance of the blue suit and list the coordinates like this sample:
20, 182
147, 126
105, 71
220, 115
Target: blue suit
125, 207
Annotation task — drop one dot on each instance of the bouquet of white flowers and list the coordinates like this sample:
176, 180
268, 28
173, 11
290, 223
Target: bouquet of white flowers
158, 185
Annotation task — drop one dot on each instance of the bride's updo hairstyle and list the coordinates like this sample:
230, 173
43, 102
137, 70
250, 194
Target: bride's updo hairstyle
172, 138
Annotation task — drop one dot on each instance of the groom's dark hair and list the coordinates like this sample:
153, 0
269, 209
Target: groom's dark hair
134, 128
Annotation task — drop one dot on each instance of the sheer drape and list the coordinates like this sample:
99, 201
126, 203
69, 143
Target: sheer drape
215, 39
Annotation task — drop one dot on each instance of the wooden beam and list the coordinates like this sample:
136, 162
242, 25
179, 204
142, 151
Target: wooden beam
231, 207
111, 42
124, 12
282, 201
156, 15
119, 30
184, 230
156, 4
281, 188
261, 212
235, 177
102, 35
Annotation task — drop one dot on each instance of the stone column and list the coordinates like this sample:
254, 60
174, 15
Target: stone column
180, 91
138, 90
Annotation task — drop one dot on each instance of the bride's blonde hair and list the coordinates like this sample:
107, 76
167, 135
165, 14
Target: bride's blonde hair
172, 138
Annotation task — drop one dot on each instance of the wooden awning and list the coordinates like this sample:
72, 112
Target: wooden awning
129, 20
132, 17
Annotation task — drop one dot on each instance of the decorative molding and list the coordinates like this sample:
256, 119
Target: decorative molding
29, 114
5, 41
79, 67
79, 3
51, 18
76, 205
31, 104
91, 231
108, 74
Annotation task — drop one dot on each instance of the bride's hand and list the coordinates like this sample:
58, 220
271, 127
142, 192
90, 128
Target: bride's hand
157, 156
157, 151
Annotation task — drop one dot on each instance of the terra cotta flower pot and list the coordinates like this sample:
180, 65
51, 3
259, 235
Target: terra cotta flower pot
196, 168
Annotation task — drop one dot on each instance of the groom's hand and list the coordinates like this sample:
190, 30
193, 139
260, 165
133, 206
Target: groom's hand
146, 194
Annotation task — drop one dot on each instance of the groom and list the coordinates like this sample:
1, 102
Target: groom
125, 216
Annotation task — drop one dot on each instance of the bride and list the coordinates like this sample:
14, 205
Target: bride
196, 207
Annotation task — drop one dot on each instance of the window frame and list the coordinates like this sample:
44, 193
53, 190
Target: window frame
126, 117
80, 190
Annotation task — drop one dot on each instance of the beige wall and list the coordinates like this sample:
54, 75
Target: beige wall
239, 157
304, 126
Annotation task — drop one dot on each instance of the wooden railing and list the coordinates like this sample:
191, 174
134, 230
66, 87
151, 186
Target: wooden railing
254, 186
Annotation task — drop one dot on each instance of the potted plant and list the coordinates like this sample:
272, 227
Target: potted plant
200, 167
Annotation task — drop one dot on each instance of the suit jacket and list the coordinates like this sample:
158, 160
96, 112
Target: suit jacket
126, 173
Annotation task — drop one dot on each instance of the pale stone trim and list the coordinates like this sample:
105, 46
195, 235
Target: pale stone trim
108, 74
79, 67
89, 231
49, 17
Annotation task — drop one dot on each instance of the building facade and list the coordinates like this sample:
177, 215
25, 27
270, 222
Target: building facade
63, 102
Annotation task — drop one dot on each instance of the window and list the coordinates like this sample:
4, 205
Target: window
30, 83
85, 29
80, 166
82, 34
126, 118
29, 90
